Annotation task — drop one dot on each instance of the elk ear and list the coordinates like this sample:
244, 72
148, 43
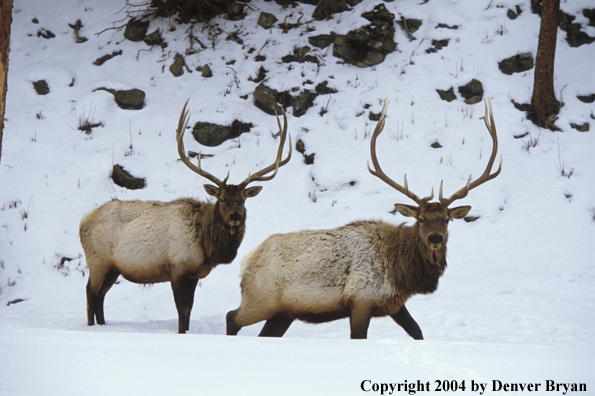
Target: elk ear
459, 212
407, 210
252, 191
212, 190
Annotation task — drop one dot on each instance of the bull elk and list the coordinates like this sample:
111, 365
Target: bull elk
179, 241
362, 270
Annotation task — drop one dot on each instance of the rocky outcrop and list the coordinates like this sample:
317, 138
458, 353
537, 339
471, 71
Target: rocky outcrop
368, 46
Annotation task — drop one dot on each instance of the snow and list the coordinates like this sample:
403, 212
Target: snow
516, 303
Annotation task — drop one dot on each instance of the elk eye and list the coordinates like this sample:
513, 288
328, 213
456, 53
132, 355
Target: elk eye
421, 220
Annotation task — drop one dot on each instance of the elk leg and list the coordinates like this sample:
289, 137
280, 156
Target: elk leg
97, 275
406, 321
91, 303
181, 288
191, 289
277, 325
359, 321
232, 328
109, 281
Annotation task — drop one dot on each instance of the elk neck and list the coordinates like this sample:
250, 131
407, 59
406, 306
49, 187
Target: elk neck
220, 241
420, 267
434, 256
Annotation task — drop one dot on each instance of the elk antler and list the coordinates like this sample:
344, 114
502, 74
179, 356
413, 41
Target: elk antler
182, 123
381, 175
260, 175
462, 193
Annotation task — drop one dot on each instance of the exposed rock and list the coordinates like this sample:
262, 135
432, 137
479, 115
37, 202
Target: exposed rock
124, 179
209, 134
325, 8
177, 68
189, 11
302, 103
445, 26
472, 92
590, 15
212, 135
435, 145
322, 40
300, 147
474, 99
131, 99
266, 99
154, 38
409, 26
136, 29
309, 158
514, 14
379, 13
574, 35
266, 20
260, 76
235, 10
374, 116
46, 34
323, 89
269, 100
437, 45
41, 87
517, 64
580, 127
205, 71
366, 46
100, 61
300, 55
448, 95
586, 98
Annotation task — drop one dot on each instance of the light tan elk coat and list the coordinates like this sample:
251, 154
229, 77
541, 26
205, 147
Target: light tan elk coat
361, 270
179, 241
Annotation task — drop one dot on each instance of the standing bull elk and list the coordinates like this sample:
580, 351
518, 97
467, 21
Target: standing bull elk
361, 270
179, 241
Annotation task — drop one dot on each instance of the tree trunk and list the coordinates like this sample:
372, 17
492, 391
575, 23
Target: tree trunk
5, 22
544, 101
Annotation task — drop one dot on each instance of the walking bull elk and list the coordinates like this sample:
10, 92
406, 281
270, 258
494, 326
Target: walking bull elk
361, 270
179, 241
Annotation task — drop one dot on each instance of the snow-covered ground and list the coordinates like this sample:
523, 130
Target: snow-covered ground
515, 305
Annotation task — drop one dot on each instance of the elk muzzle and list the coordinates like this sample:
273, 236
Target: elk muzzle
235, 219
435, 241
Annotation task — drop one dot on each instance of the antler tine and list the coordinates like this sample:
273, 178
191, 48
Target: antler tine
260, 175
182, 124
378, 170
486, 176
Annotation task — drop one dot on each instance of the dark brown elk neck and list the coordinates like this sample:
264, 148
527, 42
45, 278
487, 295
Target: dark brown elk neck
220, 242
417, 268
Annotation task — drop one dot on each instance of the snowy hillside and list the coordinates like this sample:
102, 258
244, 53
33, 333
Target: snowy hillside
516, 303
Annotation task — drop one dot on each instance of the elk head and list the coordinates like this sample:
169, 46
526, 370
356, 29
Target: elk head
231, 197
433, 217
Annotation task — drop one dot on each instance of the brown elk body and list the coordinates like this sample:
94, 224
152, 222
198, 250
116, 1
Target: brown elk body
361, 270
179, 241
